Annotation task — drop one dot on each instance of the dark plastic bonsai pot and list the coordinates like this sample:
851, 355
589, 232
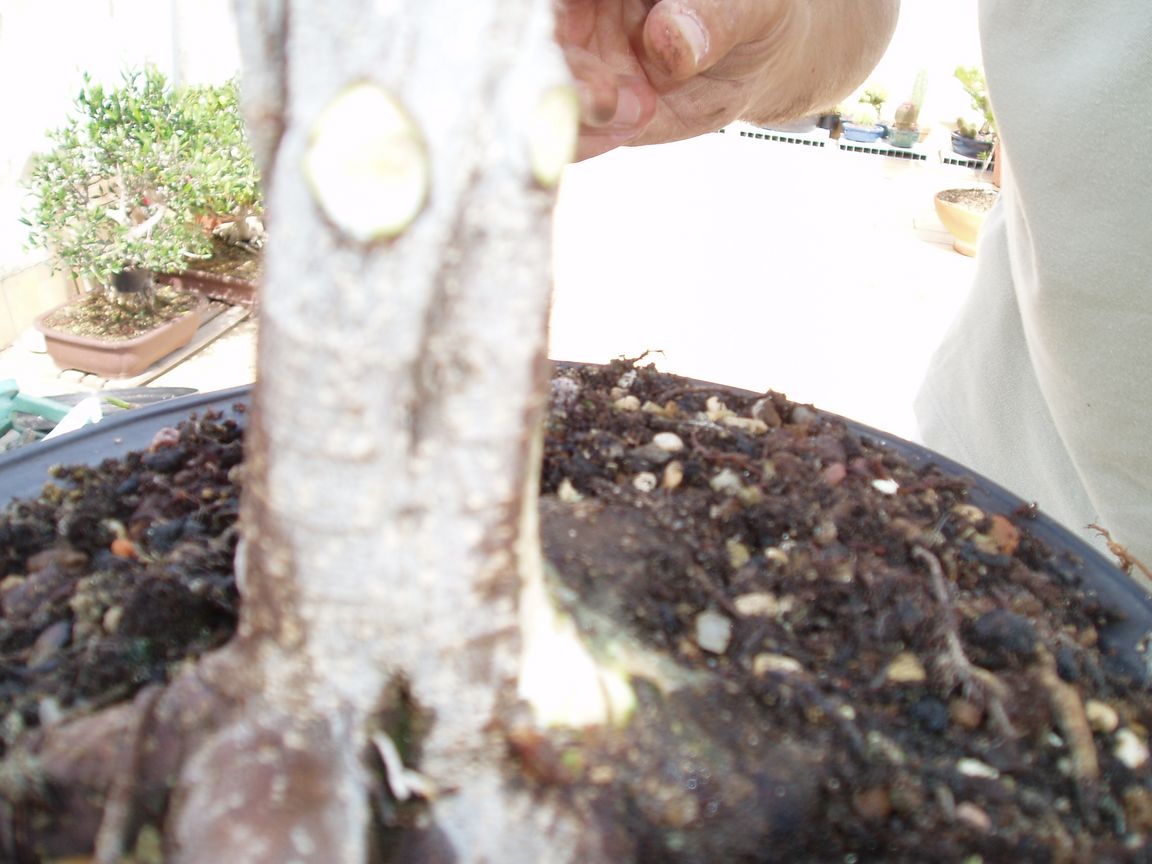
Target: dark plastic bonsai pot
970, 148
1122, 643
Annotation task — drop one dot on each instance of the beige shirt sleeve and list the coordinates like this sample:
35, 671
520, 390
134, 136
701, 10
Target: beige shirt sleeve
1044, 383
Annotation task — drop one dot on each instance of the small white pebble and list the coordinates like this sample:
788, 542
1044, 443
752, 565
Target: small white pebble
673, 475
825, 532
969, 512
564, 391
887, 486
973, 816
802, 415
906, 668
738, 553
112, 618
568, 493
779, 664
726, 481
645, 481
1102, 717
762, 604
976, 768
1130, 748
713, 632
627, 403
745, 424
669, 441
776, 555
51, 714
715, 410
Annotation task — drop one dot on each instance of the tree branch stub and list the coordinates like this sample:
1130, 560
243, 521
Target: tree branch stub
367, 164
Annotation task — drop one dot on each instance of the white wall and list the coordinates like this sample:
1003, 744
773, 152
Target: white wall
937, 38
47, 45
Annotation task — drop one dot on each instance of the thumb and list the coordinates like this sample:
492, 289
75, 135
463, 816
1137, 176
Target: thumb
684, 38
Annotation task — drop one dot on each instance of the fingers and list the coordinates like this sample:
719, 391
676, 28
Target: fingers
615, 108
633, 108
596, 85
685, 38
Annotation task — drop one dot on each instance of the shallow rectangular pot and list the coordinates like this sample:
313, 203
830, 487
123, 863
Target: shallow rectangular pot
123, 358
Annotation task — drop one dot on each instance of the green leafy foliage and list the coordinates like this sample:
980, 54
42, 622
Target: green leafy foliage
137, 175
865, 114
972, 80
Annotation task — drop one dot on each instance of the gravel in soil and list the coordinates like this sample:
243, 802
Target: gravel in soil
976, 200
927, 675
103, 315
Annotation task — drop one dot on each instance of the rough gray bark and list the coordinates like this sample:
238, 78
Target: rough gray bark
390, 448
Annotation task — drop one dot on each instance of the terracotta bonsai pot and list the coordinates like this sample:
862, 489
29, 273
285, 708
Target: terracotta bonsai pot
962, 212
216, 286
122, 358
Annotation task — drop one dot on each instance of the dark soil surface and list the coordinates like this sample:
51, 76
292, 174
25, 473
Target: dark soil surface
231, 260
976, 200
942, 664
109, 317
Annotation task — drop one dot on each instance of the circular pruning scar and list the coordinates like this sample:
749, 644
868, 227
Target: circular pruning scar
552, 135
367, 164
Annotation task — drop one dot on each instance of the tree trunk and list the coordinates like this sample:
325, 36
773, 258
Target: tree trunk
390, 468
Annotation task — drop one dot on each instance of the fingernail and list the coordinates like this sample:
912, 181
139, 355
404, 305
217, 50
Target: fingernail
692, 34
629, 108
588, 112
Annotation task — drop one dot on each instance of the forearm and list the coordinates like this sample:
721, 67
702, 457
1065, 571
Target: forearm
820, 52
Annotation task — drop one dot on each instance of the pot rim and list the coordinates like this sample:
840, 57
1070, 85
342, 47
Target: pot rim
111, 344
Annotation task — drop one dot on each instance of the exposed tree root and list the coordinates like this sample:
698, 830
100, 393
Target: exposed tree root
1072, 720
954, 665
1123, 556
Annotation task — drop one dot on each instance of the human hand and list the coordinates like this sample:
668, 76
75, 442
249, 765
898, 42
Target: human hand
650, 72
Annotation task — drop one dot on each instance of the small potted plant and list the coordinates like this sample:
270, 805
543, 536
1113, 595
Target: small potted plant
230, 201
963, 211
974, 135
864, 126
876, 97
131, 187
905, 132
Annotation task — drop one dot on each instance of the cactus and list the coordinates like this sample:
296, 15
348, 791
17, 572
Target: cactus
906, 116
865, 114
919, 88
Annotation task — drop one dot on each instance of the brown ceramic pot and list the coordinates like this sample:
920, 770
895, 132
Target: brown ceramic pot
123, 358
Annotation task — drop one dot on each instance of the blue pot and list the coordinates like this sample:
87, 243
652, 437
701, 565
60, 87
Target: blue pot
862, 134
903, 137
970, 148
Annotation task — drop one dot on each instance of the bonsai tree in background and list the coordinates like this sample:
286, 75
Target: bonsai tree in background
133, 175
227, 184
978, 130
